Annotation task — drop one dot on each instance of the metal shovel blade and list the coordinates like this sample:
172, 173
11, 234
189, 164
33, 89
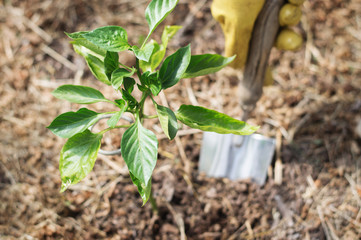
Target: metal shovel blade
236, 157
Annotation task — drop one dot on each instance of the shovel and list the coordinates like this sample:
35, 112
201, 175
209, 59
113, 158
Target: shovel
241, 157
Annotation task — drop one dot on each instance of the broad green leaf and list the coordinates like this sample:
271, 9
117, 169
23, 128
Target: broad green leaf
144, 53
81, 41
79, 94
118, 76
157, 11
168, 33
144, 190
68, 124
157, 59
95, 65
110, 38
212, 121
147, 65
77, 157
111, 63
139, 148
206, 64
168, 121
159, 50
156, 87
174, 67
112, 122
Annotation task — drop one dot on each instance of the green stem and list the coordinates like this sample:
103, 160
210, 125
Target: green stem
141, 104
153, 203
108, 129
125, 66
112, 102
109, 112
139, 74
145, 41
150, 116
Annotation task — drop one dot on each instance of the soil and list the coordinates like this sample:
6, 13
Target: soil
313, 109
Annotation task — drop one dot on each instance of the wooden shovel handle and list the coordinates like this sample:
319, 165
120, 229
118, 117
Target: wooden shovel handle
263, 38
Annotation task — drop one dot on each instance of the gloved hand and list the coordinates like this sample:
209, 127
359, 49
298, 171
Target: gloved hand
237, 18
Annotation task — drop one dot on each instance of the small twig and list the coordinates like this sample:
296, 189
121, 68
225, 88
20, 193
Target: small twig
58, 57
191, 96
324, 226
341, 214
298, 126
39, 31
30, 24
249, 228
113, 165
237, 232
7, 48
178, 219
285, 211
332, 230
8, 173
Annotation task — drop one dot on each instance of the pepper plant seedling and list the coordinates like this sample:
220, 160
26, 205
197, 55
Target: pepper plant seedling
139, 146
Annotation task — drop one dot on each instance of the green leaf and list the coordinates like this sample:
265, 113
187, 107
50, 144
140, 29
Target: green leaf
77, 157
168, 121
68, 124
142, 88
148, 65
81, 41
139, 148
129, 84
76, 35
157, 59
174, 67
212, 121
111, 63
168, 33
159, 50
144, 53
144, 190
112, 122
95, 65
132, 102
79, 94
118, 77
152, 81
157, 11
206, 64
110, 38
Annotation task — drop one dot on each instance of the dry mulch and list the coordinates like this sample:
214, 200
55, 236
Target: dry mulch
314, 108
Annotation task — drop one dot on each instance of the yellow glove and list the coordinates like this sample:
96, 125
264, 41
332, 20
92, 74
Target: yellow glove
237, 18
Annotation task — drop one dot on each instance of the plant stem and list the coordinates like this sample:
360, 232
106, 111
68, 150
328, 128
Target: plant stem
125, 66
141, 104
150, 116
139, 74
112, 102
145, 41
108, 129
153, 203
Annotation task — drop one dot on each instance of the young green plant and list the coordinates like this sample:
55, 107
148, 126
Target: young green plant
139, 146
